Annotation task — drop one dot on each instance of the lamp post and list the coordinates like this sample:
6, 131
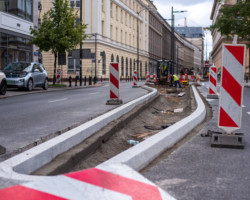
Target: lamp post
178, 58
81, 45
172, 37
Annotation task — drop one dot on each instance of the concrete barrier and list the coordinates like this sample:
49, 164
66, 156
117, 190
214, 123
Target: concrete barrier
140, 155
17, 168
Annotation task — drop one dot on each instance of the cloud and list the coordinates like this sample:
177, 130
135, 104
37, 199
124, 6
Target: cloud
198, 14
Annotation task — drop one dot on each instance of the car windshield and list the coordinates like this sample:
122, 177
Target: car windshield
20, 67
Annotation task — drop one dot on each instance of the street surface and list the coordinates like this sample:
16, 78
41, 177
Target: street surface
26, 118
198, 171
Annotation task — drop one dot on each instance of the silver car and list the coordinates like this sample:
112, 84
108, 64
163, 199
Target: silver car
3, 83
26, 75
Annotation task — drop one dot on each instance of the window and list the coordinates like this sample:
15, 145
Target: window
126, 19
18, 8
112, 58
122, 67
116, 12
116, 34
75, 3
111, 31
73, 64
102, 27
103, 6
121, 16
121, 36
125, 37
104, 63
111, 9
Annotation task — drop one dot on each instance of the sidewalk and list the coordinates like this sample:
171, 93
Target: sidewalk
198, 171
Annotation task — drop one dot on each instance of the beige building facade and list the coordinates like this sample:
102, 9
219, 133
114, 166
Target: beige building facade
219, 40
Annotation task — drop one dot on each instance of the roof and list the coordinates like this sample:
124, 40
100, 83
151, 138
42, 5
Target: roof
190, 32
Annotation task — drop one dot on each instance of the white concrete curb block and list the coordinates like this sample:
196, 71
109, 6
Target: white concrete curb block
17, 167
142, 154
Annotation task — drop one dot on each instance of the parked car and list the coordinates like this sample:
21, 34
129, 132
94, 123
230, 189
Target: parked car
26, 75
3, 83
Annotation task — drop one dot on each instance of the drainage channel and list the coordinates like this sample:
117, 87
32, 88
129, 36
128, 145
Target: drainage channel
139, 124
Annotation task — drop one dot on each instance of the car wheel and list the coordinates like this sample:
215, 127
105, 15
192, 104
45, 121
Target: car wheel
45, 86
3, 88
30, 85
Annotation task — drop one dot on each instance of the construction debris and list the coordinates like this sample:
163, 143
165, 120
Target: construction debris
181, 94
178, 110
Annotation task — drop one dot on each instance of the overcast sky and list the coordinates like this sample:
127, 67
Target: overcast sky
198, 14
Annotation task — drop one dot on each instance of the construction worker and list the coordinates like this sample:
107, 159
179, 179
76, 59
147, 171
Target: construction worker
176, 81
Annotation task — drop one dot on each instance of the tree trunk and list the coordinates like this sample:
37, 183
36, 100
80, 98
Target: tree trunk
54, 76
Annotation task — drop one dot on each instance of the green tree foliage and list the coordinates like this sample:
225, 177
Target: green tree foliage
235, 20
59, 31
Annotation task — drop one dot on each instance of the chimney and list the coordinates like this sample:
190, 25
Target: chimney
185, 22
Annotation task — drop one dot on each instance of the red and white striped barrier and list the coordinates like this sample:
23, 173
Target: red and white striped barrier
115, 183
154, 77
213, 80
114, 81
135, 85
58, 76
147, 78
232, 84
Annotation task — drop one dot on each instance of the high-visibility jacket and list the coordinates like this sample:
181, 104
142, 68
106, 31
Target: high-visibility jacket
175, 78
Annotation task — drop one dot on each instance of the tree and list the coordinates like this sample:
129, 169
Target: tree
59, 31
235, 20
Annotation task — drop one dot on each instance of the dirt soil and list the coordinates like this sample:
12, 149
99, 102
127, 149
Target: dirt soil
154, 117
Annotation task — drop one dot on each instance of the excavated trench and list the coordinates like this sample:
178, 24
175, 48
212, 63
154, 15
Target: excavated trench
144, 121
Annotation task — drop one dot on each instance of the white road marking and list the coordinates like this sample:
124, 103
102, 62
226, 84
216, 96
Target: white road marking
57, 100
248, 113
94, 93
210, 99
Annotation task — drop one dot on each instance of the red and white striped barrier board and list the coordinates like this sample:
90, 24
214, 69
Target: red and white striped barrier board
135, 85
147, 78
154, 77
212, 80
58, 76
232, 84
90, 184
114, 82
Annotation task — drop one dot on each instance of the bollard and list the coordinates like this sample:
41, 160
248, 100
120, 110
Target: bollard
70, 80
101, 78
85, 80
75, 81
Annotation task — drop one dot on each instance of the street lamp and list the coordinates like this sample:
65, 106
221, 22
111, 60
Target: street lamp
81, 45
172, 37
178, 58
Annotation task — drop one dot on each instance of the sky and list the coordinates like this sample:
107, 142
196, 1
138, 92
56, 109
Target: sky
198, 14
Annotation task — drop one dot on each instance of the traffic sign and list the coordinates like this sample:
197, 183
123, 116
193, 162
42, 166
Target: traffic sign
231, 92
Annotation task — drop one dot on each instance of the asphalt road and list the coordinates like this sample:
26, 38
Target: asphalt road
197, 171
24, 119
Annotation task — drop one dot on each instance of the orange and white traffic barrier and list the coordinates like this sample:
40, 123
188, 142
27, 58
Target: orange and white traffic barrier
114, 82
147, 78
232, 84
58, 76
135, 80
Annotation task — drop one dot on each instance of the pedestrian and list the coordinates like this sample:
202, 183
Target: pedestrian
77, 78
176, 81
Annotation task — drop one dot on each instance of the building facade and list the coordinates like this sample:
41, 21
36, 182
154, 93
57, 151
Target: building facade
16, 18
219, 40
120, 31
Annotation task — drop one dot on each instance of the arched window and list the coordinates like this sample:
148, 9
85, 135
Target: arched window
122, 67
104, 63
117, 59
134, 65
130, 67
112, 58
146, 68
126, 67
